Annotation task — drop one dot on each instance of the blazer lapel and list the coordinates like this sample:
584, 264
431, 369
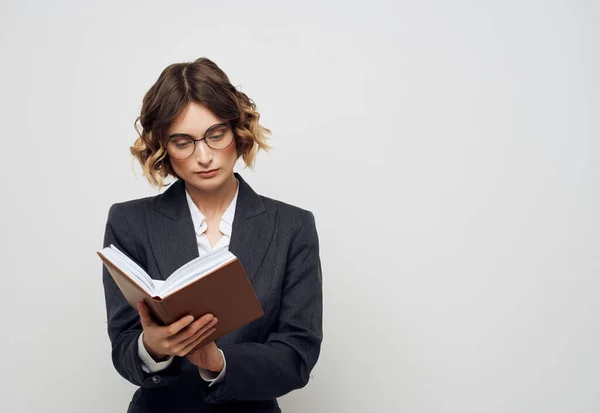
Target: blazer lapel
252, 231
171, 230
173, 239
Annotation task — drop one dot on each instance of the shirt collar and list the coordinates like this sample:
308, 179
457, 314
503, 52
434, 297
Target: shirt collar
199, 220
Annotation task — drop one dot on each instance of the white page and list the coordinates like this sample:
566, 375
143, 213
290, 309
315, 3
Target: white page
130, 268
195, 269
192, 276
185, 275
158, 284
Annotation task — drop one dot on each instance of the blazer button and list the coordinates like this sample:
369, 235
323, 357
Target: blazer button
156, 379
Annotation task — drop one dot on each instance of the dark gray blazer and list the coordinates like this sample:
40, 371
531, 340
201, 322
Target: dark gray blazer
278, 246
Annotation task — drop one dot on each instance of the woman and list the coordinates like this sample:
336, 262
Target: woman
195, 125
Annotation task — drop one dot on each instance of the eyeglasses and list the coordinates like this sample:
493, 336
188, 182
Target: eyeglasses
218, 137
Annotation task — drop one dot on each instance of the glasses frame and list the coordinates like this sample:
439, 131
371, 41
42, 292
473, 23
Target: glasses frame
176, 135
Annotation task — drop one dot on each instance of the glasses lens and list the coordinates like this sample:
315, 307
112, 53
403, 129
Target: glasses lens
219, 137
180, 147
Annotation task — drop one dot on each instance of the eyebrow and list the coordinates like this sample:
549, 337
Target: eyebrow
192, 136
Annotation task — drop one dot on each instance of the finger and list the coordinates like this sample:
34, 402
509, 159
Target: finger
197, 344
203, 342
179, 325
145, 316
185, 342
198, 347
186, 333
178, 348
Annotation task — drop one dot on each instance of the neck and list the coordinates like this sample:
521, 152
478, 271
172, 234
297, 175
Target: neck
214, 203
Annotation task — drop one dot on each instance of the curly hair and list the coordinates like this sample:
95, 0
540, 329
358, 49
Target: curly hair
180, 84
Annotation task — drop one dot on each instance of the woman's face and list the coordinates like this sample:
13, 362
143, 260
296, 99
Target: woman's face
194, 121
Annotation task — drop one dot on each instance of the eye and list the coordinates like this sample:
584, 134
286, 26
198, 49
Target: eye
215, 137
181, 142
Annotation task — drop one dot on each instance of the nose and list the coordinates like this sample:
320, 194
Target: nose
202, 152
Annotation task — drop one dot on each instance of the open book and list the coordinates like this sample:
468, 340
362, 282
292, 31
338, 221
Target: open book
215, 283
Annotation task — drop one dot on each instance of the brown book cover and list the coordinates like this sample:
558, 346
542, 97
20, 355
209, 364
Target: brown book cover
225, 292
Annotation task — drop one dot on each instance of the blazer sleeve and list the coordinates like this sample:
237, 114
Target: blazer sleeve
124, 325
257, 371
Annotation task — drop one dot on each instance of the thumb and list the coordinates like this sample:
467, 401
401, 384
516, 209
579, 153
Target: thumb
145, 316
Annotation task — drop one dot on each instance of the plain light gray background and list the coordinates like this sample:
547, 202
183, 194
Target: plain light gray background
449, 151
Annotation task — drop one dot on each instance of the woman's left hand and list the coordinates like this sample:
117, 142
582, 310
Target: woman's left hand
207, 357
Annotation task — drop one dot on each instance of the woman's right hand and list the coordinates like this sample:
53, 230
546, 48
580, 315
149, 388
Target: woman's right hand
177, 339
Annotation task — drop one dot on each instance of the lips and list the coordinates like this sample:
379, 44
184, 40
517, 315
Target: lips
206, 172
